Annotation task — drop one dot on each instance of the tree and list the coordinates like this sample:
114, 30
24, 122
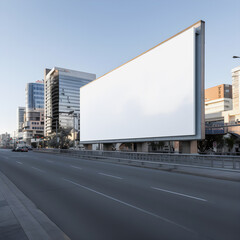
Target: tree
52, 141
63, 137
207, 143
61, 140
229, 140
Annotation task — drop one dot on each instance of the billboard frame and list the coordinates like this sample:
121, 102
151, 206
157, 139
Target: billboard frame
199, 93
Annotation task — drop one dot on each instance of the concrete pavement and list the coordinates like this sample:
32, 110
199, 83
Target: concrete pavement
19, 217
10, 228
99, 200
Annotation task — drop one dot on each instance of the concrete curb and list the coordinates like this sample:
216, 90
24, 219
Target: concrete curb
223, 176
210, 173
35, 224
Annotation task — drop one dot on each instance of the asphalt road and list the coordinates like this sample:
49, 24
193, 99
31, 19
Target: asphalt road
97, 200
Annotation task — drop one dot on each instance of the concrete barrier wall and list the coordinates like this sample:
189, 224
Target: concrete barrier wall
194, 160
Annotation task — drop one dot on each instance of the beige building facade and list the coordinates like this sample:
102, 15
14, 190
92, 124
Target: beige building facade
218, 92
218, 105
218, 99
33, 125
230, 118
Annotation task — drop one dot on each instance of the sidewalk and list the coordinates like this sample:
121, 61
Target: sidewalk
20, 219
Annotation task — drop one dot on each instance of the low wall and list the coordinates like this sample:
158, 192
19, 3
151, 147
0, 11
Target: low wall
193, 160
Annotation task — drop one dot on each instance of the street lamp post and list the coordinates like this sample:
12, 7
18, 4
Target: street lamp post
14, 140
74, 115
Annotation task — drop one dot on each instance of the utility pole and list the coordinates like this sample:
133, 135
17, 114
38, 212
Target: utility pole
14, 140
74, 115
74, 131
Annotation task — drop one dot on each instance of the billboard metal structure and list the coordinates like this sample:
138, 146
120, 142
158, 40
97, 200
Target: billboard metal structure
157, 96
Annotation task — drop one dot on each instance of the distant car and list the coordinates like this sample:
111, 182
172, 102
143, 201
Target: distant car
29, 148
81, 148
17, 149
14, 149
21, 149
24, 149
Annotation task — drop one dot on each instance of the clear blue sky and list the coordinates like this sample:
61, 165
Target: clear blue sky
98, 35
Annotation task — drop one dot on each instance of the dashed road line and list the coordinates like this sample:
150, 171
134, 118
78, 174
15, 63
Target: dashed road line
38, 169
130, 205
108, 175
50, 161
76, 167
180, 194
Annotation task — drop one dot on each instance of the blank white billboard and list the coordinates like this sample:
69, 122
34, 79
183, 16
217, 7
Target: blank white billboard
150, 97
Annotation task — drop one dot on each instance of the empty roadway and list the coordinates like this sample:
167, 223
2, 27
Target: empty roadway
98, 200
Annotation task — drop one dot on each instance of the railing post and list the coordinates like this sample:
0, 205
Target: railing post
234, 163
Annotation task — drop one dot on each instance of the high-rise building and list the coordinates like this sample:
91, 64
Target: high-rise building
230, 117
33, 126
34, 95
236, 88
62, 95
5, 140
20, 118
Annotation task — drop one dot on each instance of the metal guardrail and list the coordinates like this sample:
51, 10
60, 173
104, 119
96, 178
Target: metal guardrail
186, 160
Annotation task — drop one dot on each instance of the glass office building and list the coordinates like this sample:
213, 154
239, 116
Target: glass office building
35, 95
34, 116
62, 95
20, 118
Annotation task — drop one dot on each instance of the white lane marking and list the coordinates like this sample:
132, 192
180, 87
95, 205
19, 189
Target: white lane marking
130, 205
38, 169
75, 167
19, 162
104, 174
50, 161
180, 194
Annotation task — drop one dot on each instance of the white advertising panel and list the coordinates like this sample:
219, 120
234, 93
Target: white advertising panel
151, 96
